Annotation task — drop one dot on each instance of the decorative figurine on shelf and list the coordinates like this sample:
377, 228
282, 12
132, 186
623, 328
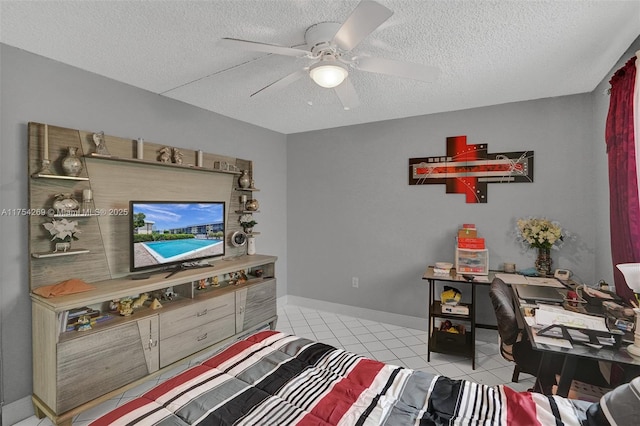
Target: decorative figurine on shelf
242, 277
139, 302
165, 155
114, 305
168, 294
232, 278
101, 145
177, 156
215, 282
62, 232
125, 308
155, 304
65, 203
258, 272
84, 323
202, 284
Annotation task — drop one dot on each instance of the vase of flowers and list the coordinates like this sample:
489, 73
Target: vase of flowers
543, 235
247, 222
62, 232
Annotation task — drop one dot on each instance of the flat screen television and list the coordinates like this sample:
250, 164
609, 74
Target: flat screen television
166, 233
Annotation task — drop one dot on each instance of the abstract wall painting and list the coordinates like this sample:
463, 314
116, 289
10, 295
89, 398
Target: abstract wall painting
467, 169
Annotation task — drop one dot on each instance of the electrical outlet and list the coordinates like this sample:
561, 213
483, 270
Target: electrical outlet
355, 282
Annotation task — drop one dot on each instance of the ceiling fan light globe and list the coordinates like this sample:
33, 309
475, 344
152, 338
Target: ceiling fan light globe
328, 75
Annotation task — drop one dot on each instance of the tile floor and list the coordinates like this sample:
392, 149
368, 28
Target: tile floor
384, 342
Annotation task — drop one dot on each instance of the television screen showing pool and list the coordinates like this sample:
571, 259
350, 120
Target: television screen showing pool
171, 232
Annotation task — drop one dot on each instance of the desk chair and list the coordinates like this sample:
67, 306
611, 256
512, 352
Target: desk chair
514, 346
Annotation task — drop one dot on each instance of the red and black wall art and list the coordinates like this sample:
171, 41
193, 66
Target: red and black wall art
467, 169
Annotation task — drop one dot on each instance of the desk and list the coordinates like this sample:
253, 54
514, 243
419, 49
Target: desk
610, 354
454, 344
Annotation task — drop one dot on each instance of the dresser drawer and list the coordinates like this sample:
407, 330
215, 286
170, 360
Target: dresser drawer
195, 339
195, 315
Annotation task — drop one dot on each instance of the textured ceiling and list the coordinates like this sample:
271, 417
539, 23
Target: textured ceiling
489, 52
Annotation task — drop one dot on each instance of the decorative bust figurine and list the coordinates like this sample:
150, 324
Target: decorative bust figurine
177, 156
101, 146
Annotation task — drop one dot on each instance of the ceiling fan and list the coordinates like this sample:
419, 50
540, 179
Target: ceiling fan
329, 46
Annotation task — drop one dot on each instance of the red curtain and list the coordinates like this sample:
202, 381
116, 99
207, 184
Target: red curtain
623, 184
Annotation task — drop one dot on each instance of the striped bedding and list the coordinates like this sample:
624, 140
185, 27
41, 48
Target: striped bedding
274, 378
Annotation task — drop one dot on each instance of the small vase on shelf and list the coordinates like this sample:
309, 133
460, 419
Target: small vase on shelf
544, 262
71, 164
244, 180
252, 205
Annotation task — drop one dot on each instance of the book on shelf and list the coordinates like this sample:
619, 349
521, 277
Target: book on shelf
94, 321
74, 313
471, 243
455, 309
93, 313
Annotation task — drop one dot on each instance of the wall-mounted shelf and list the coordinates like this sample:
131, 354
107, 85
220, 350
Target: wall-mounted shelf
62, 177
246, 189
247, 211
71, 252
158, 163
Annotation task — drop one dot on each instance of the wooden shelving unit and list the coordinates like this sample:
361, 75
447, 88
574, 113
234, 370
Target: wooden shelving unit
71, 252
160, 164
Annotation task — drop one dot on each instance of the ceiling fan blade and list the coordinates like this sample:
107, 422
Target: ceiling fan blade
262, 47
279, 84
397, 68
347, 95
364, 19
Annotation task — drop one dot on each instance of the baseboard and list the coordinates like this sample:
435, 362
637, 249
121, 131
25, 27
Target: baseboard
416, 323
17, 411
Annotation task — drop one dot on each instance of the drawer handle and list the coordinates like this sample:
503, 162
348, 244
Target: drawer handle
202, 313
204, 336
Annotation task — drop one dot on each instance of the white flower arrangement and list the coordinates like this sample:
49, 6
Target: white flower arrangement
63, 230
540, 233
247, 221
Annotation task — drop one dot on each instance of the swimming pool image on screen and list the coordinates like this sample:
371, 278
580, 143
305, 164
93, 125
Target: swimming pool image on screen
170, 232
169, 251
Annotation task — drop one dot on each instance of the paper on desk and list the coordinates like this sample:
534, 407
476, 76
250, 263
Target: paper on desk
512, 278
547, 315
553, 341
545, 282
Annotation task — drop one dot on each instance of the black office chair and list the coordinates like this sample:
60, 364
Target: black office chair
513, 344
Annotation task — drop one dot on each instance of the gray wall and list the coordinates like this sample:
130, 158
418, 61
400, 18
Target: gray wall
352, 213
38, 89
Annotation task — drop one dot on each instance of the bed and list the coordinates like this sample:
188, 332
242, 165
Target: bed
275, 378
